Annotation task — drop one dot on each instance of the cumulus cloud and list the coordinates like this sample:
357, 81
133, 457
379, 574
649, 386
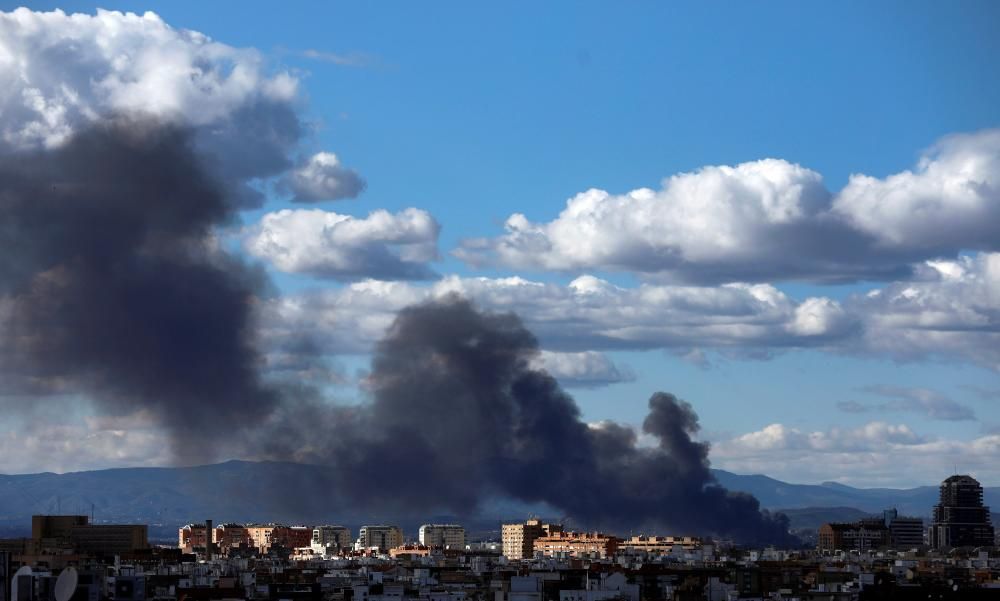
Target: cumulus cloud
951, 311
329, 245
950, 201
321, 177
60, 73
874, 454
587, 369
587, 314
769, 220
82, 67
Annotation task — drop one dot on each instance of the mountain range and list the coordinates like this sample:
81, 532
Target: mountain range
243, 491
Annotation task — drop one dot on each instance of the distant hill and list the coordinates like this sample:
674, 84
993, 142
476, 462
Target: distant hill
243, 491
777, 494
238, 491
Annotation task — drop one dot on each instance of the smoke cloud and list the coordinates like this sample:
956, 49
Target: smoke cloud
112, 288
459, 414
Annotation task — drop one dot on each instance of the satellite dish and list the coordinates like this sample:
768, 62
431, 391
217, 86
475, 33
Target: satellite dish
22, 571
66, 584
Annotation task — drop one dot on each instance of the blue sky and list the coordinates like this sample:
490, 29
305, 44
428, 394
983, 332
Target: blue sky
475, 111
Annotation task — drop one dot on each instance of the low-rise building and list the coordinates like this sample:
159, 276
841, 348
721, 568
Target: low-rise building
229, 536
55, 526
381, 537
519, 539
191, 536
331, 538
861, 536
270, 535
904, 532
659, 545
109, 539
410, 551
575, 544
448, 536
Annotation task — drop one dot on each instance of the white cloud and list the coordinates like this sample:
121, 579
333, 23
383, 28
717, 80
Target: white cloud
345, 321
874, 454
769, 220
322, 177
330, 245
587, 369
587, 314
60, 72
950, 201
951, 313
714, 218
816, 316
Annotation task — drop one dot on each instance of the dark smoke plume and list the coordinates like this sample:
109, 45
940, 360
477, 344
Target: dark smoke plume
111, 287
458, 415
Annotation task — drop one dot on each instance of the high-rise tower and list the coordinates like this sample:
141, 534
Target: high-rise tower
960, 519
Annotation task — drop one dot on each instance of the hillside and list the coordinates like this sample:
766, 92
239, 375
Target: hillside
777, 494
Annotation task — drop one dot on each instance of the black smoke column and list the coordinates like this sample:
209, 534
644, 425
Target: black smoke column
459, 414
111, 285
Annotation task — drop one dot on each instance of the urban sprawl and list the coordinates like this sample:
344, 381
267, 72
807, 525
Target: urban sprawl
69, 558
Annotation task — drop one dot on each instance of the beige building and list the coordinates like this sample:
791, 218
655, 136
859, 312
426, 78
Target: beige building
191, 536
289, 537
519, 539
331, 537
379, 537
659, 545
229, 536
410, 551
575, 544
448, 536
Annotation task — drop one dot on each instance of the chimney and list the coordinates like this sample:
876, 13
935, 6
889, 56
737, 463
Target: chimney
208, 539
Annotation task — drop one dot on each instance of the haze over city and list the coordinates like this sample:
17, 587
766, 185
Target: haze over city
505, 250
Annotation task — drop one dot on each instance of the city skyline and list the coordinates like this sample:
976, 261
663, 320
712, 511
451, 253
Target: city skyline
785, 218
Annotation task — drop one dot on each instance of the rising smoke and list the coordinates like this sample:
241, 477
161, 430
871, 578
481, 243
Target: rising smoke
460, 414
111, 287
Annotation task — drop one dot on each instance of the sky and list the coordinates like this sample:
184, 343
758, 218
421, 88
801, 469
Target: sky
787, 214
